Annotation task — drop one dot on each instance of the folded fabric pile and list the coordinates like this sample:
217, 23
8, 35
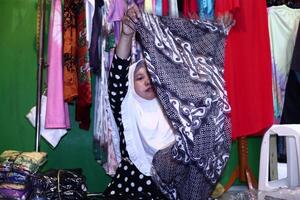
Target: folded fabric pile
16, 170
60, 185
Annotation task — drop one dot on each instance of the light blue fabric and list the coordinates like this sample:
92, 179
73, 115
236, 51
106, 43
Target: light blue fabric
206, 9
158, 7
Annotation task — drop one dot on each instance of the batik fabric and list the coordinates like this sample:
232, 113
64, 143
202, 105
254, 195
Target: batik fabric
185, 59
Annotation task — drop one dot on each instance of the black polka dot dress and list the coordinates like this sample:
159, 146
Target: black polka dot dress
128, 182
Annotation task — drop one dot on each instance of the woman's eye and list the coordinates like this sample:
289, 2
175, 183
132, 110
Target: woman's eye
139, 78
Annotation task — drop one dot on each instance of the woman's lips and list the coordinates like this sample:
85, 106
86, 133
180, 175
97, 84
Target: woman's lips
150, 89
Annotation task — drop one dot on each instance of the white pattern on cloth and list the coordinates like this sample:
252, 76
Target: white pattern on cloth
185, 59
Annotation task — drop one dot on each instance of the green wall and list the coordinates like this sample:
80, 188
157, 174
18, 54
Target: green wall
18, 94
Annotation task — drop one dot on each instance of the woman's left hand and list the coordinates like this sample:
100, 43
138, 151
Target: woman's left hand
226, 18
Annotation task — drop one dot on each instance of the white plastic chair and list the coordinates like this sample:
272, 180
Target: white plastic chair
292, 135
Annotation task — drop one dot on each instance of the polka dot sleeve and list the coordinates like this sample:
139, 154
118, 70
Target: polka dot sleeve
118, 85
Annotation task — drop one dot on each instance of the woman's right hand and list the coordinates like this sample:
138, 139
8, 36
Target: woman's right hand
130, 18
128, 29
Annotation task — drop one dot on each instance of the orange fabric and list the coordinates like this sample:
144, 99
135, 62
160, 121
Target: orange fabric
77, 77
70, 46
248, 71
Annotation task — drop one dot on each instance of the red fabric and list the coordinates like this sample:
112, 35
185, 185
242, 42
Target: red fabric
222, 6
248, 72
165, 7
190, 9
84, 99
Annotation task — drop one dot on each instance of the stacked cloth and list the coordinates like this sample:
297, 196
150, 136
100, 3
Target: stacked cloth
60, 185
185, 59
16, 170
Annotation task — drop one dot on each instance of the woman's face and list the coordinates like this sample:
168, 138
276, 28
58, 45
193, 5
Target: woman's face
142, 83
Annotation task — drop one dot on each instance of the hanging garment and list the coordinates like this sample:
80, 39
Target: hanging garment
223, 6
128, 182
291, 108
70, 46
51, 135
102, 140
190, 9
148, 6
117, 9
296, 54
158, 7
56, 117
90, 6
94, 53
106, 141
165, 7
283, 26
106, 137
247, 67
206, 9
77, 77
185, 61
84, 99
173, 9
139, 3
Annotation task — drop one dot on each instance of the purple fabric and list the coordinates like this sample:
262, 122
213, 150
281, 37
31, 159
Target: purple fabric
117, 31
13, 177
94, 55
57, 115
14, 194
116, 10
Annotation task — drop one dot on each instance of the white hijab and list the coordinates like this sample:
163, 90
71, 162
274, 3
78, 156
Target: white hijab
146, 129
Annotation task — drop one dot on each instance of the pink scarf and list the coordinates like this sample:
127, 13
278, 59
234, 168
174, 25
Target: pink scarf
57, 115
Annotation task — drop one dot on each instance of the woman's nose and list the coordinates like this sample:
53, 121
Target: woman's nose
147, 81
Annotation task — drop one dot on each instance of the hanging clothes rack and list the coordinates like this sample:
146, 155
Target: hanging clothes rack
41, 65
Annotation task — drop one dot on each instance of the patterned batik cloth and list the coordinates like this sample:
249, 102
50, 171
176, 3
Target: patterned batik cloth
185, 60
77, 77
69, 51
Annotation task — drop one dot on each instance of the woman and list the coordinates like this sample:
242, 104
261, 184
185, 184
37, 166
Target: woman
142, 125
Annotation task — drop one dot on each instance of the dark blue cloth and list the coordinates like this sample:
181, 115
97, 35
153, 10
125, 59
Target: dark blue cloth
94, 56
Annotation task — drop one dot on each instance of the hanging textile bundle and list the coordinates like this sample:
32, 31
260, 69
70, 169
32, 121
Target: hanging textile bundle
185, 60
